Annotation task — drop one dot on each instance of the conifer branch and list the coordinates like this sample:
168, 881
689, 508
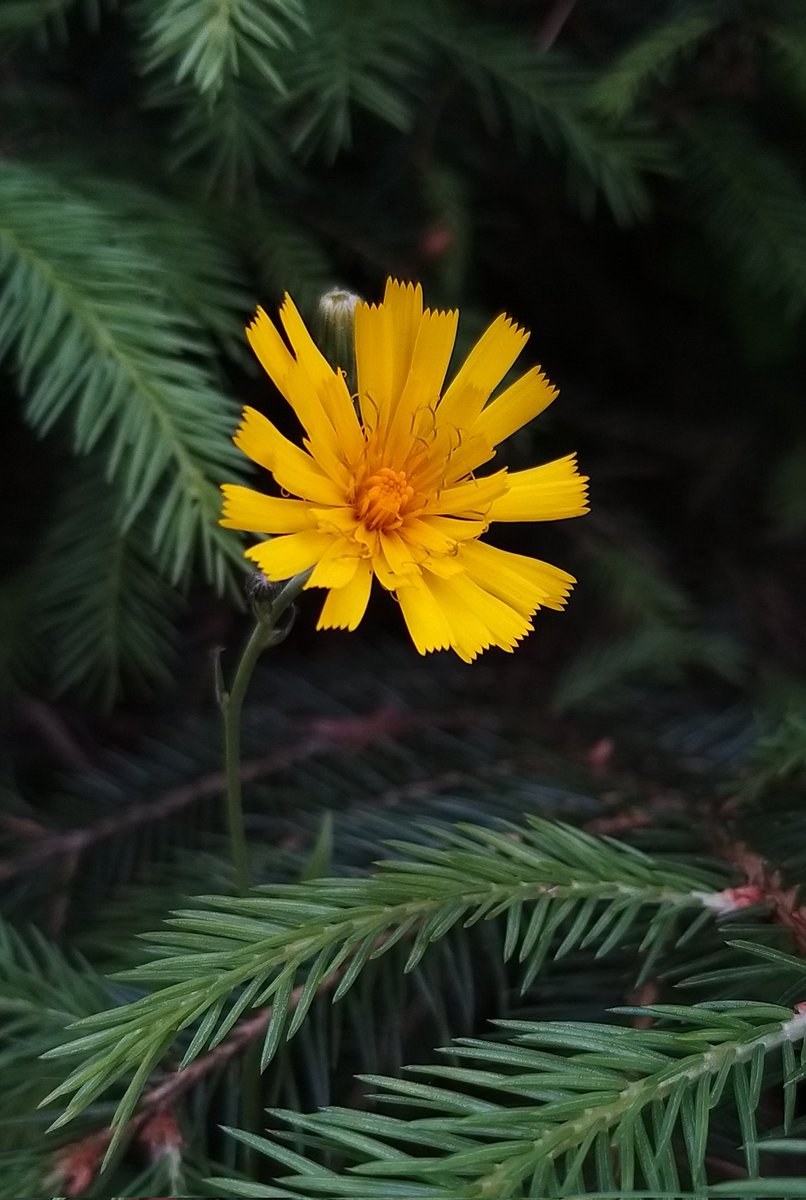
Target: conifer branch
85, 312
624, 1107
214, 964
211, 42
322, 736
753, 204
769, 889
27, 16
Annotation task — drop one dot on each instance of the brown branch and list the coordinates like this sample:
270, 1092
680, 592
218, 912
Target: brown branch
783, 901
54, 731
165, 1093
432, 785
553, 25
323, 735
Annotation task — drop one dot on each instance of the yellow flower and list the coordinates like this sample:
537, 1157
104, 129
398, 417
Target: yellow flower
386, 488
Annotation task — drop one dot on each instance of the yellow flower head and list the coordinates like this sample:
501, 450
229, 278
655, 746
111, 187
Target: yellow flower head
386, 488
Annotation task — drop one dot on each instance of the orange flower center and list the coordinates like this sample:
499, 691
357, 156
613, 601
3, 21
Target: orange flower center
383, 499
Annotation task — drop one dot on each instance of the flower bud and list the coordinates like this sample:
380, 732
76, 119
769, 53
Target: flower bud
337, 330
263, 595
260, 590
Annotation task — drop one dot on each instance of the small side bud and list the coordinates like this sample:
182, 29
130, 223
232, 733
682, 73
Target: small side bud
733, 899
260, 590
161, 1137
263, 595
336, 317
77, 1165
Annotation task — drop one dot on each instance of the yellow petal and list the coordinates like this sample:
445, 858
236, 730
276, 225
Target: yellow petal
446, 565
516, 406
404, 302
326, 454
457, 613
339, 520
424, 533
337, 566
546, 493
457, 529
338, 404
272, 352
317, 393
345, 606
294, 470
288, 376
321, 436
482, 371
434, 540
385, 336
343, 521
424, 618
430, 356
401, 557
387, 578
373, 361
450, 454
256, 513
477, 618
471, 453
283, 557
440, 537
524, 583
307, 353
472, 497
428, 535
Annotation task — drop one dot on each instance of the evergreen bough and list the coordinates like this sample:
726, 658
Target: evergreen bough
252, 147
131, 254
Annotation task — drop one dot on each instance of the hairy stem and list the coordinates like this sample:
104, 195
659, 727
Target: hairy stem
269, 631
231, 707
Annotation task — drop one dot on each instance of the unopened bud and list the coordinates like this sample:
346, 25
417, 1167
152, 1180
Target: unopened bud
77, 1165
263, 595
337, 330
260, 590
733, 899
161, 1137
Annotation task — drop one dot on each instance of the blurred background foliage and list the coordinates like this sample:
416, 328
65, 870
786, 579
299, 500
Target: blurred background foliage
629, 182
626, 180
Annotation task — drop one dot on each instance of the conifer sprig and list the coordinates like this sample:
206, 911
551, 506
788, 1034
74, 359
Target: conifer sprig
86, 314
558, 889
554, 1109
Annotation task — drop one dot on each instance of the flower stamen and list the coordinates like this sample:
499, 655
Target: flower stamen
383, 499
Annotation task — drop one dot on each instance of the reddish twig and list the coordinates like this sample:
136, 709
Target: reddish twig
78, 1164
783, 901
645, 997
54, 730
552, 27
323, 735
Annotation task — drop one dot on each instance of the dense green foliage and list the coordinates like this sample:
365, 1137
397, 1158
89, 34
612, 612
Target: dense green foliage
166, 165
333, 967
628, 181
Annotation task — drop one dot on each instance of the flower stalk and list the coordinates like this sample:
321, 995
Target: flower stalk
270, 605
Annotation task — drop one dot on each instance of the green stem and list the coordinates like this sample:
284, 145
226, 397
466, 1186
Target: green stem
268, 631
231, 707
